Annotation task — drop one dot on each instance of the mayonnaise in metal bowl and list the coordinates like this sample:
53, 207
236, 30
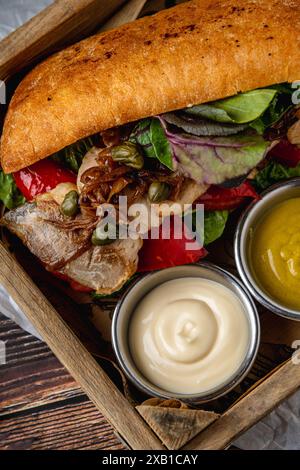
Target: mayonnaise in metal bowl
189, 332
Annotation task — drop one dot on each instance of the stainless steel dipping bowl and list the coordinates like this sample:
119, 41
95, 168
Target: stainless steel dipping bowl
143, 286
247, 224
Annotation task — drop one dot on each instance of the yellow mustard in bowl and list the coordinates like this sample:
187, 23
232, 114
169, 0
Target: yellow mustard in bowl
275, 253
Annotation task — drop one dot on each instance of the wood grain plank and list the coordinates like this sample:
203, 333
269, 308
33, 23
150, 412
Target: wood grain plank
128, 12
61, 23
249, 410
74, 356
74, 426
36, 384
44, 380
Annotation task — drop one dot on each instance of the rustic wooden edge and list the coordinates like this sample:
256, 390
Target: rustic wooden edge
74, 356
130, 10
47, 31
248, 411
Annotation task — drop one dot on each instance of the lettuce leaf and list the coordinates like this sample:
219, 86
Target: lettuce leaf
281, 104
71, 156
141, 136
161, 146
256, 110
9, 193
210, 160
273, 173
239, 109
215, 160
150, 136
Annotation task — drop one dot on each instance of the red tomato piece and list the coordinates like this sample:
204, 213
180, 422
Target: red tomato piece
166, 253
42, 177
286, 154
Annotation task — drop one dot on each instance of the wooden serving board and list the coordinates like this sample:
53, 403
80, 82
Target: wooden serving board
66, 323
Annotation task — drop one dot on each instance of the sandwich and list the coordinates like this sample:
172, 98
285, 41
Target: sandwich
196, 104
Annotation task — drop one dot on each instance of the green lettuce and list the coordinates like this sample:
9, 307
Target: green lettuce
161, 146
214, 225
273, 173
202, 127
9, 193
257, 109
141, 135
281, 103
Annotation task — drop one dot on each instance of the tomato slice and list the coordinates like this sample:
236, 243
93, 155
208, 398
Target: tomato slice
218, 198
79, 287
42, 177
166, 253
286, 154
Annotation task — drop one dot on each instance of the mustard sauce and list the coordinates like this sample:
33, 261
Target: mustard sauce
275, 253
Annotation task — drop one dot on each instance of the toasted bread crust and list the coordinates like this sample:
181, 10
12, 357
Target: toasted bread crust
193, 53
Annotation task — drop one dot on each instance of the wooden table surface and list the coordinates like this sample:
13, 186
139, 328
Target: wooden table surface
41, 406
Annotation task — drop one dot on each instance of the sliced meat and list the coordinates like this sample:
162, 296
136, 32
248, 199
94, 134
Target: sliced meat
105, 268
63, 244
294, 133
190, 192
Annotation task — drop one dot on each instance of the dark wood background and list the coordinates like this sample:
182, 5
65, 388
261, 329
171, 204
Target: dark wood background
41, 406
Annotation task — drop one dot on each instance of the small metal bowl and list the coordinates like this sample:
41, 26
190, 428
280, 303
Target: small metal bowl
127, 305
249, 220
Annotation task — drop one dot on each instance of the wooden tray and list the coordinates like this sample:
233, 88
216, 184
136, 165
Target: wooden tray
65, 320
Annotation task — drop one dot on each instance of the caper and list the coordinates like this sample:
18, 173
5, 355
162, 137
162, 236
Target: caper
158, 191
128, 154
69, 206
101, 235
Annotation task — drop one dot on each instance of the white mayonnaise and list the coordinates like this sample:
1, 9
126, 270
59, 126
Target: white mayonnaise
189, 335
